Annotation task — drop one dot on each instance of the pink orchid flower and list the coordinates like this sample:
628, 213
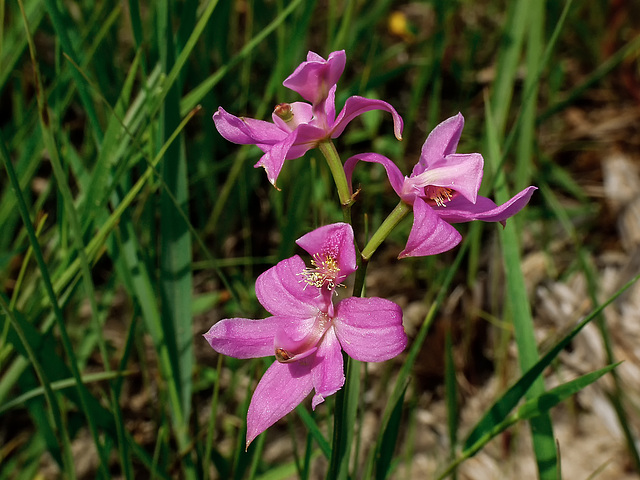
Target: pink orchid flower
443, 189
305, 333
298, 127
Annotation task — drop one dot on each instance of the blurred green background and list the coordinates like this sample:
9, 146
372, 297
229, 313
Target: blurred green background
129, 225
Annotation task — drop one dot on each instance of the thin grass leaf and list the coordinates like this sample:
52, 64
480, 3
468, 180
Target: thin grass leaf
14, 41
416, 346
541, 427
630, 48
503, 406
175, 245
617, 395
60, 385
344, 416
24, 211
532, 408
60, 25
314, 431
539, 405
212, 420
524, 167
285, 471
451, 395
384, 456
52, 400
190, 100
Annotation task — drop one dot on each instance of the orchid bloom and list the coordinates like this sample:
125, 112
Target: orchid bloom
442, 189
298, 127
305, 333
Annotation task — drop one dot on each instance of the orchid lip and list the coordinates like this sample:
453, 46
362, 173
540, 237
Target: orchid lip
285, 356
287, 351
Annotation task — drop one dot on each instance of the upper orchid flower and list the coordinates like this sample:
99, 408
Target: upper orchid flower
443, 189
306, 334
298, 127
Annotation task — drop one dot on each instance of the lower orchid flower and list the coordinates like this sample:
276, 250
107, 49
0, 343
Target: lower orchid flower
306, 334
442, 189
298, 127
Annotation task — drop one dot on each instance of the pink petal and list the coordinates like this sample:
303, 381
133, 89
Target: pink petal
244, 338
281, 389
308, 136
296, 144
325, 112
314, 78
328, 372
335, 241
273, 160
300, 337
461, 173
460, 210
355, 106
370, 329
430, 234
302, 113
246, 131
281, 290
442, 141
393, 172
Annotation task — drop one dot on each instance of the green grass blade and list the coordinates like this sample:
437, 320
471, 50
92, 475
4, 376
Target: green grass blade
524, 158
508, 61
629, 49
59, 385
52, 400
541, 427
175, 243
60, 25
314, 430
533, 408
190, 100
505, 404
345, 416
543, 403
451, 396
384, 455
617, 395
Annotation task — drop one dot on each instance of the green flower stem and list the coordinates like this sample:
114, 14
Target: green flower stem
392, 220
337, 170
358, 286
347, 397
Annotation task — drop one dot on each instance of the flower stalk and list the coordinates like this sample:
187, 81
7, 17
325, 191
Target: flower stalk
329, 151
392, 220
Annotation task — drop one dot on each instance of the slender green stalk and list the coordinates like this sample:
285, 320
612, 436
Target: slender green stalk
212, 419
337, 170
344, 421
392, 220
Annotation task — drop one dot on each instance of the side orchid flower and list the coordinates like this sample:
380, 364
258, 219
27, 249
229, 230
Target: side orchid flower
442, 189
305, 333
298, 127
